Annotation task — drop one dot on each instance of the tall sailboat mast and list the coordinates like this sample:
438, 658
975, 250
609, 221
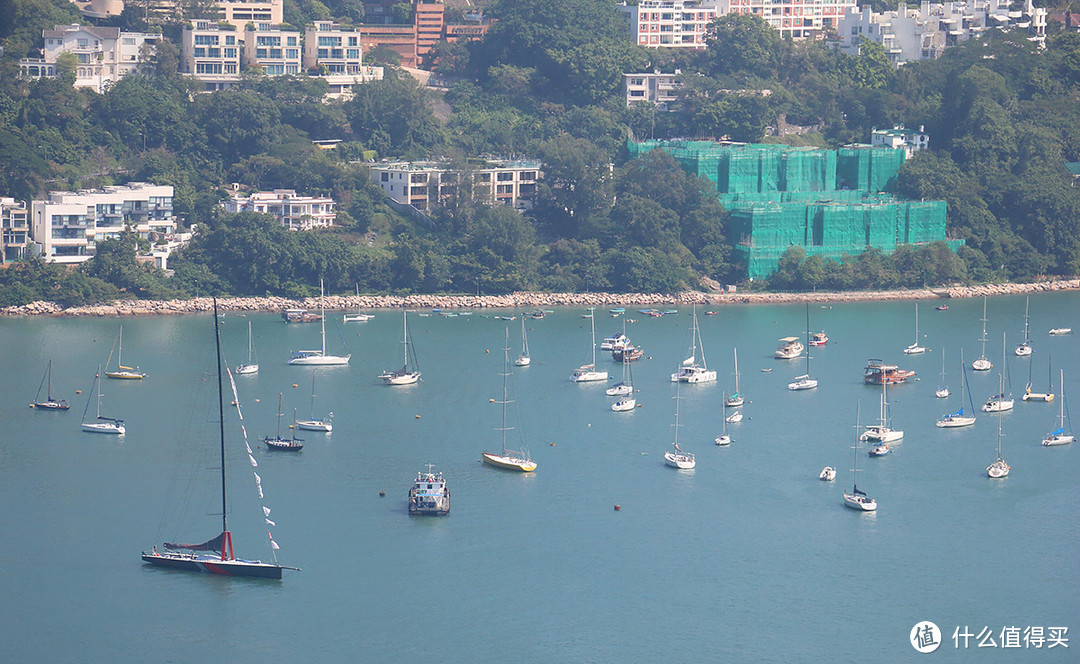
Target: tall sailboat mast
221, 426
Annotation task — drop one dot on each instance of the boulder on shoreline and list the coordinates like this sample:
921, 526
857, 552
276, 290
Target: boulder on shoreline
519, 300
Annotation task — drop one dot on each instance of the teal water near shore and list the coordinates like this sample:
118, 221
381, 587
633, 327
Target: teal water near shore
748, 558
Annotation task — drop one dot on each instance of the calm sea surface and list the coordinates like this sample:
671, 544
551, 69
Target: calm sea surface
748, 558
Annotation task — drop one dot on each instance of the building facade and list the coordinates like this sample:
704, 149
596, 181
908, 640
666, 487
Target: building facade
424, 185
671, 23
908, 33
275, 51
656, 88
336, 54
210, 52
104, 55
241, 12
909, 140
297, 213
793, 19
14, 230
67, 225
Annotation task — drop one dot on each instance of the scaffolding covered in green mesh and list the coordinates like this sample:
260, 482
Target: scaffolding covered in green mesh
867, 168
830, 202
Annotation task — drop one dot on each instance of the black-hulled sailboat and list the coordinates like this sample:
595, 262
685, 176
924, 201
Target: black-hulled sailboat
215, 556
50, 403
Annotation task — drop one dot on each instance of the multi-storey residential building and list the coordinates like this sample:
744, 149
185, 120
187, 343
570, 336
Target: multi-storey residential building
277, 52
426, 184
656, 88
671, 23
909, 33
66, 227
909, 140
105, 55
336, 53
14, 230
297, 213
210, 52
241, 12
794, 19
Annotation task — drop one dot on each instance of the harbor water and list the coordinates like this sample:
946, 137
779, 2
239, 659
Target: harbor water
747, 558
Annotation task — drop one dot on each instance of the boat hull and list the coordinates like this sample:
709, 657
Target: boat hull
282, 445
1037, 396
861, 503
679, 461
401, 379
588, 376
954, 422
1060, 439
523, 361
247, 369
51, 405
508, 462
624, 405
723, 440
696, 375
95, 427
213, 565
803, 384
998, 470
125, 375
982, 364
997, 406
827, 474
320, 360
314, 425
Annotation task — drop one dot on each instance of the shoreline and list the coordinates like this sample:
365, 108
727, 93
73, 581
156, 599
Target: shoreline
522, 300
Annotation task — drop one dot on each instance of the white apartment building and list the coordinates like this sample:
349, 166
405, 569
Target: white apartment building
909, 140
274, 50
909, 34
211, 54
241, 12
14, 230
426, 184
794, 19
105, 55
297, 213
671, 23
655, 88
66, 227
684, 23
337, 52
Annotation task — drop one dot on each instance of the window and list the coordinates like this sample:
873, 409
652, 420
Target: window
352, 41
230, 40
205, 40
505, 177
290, 41
352, 53
504, 189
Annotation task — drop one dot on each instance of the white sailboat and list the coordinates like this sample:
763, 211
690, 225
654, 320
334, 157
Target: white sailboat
805, 382
319, 357
724, 438
999, 469
588, 373
624, 387
1059, 436
983, 364
827, 474
1029, 395
122, 372
959, 419
508, 459
676, 457
915, 348
252, 365
1001, 401
881, 432
404, 375
313, 423
359, 316
737, 398
1024, 349
857, 499
626, 401
100, 424
524, 359
943, 389
690, 371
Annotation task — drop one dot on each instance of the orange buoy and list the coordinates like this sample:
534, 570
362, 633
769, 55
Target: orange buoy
417, 416
78, 391
295, 385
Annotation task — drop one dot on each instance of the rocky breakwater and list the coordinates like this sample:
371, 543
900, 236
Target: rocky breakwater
522, 301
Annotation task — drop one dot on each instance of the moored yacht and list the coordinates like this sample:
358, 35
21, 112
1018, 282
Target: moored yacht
429, 494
